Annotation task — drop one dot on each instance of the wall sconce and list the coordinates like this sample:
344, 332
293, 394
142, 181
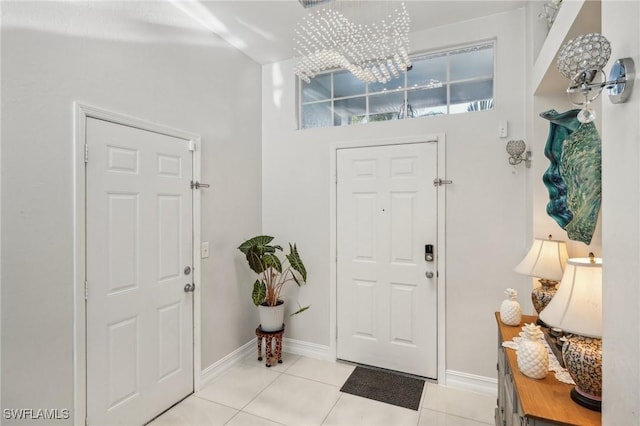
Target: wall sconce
582, 60
515, 150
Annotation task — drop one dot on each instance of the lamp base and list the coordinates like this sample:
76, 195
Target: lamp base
541, 296
585, 400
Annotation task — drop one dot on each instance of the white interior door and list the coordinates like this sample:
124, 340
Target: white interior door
139, 242
386, 214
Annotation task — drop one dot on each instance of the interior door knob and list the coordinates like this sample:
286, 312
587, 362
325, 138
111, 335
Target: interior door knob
189, 287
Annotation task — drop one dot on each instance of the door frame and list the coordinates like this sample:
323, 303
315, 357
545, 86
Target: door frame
81, 113
438, 138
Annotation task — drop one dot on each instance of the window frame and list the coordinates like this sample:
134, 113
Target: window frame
368, 93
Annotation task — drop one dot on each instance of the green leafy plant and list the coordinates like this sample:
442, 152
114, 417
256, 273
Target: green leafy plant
263, 259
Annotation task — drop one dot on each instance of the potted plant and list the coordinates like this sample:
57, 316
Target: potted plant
274, 274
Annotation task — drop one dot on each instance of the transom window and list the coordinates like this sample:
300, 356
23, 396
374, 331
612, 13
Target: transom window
449, 82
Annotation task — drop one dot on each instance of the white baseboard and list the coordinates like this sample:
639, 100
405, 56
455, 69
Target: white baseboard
308, 349
472, 382
219, 367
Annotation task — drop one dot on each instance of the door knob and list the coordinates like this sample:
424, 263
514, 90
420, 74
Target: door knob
189, 287
428, 274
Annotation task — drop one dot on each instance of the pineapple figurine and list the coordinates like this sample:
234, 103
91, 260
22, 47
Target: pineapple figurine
532, 355
510, 310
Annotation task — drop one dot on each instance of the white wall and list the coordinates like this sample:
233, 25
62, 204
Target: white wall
143, 59
486, 206
621, 227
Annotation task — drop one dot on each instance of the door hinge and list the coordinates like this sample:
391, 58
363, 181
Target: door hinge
192, 145
440, 182
86, 290
86, 153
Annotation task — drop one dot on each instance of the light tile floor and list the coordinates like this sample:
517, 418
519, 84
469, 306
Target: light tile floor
304, 391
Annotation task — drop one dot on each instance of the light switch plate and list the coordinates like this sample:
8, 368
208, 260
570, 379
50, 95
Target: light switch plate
503, 128
204, 250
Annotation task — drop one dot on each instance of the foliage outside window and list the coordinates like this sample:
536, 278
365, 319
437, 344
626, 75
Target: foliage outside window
449, 82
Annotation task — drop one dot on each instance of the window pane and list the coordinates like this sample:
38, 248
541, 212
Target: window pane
423, 98
428, 71
430, 111
346, 84
472, 63
481, 105
471, 91
316, 115
428, 101
349, 111
391, 85
385, 106
318, 89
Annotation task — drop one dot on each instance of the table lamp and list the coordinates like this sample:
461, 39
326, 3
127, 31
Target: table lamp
546, 260
577, 309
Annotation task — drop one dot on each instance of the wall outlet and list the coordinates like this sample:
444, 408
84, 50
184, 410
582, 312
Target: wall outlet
204, 250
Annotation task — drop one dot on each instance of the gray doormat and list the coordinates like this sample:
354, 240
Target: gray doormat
385, 386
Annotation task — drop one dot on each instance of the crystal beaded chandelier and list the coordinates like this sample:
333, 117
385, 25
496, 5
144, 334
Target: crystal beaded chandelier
369, 39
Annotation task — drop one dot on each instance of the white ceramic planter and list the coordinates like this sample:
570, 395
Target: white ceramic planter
271, 317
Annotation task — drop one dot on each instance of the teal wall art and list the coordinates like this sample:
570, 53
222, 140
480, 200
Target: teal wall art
573, 178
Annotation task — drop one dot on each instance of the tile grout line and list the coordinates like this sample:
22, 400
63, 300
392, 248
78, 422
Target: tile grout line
280, 373
314, 380
457, 415
332, 408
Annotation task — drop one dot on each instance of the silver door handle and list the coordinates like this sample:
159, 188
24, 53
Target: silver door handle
189, 287
428, 274
198, 185
440, 182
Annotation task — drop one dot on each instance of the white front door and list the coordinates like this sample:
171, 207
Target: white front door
139, 242
386, 215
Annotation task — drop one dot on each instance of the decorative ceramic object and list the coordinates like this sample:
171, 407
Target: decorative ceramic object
510, 310
541, 296
583, 359
532, 355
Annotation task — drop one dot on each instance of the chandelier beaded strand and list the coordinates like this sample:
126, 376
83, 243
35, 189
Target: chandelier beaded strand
326, 39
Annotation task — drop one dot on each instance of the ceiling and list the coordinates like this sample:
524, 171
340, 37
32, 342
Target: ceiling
263, 29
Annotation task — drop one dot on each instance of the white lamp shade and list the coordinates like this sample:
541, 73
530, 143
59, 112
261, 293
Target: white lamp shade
577, 306
546, 259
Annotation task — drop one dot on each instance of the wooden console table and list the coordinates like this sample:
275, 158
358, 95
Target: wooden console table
526, 401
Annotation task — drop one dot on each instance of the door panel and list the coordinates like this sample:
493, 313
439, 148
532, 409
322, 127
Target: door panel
139, 240
386, 213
